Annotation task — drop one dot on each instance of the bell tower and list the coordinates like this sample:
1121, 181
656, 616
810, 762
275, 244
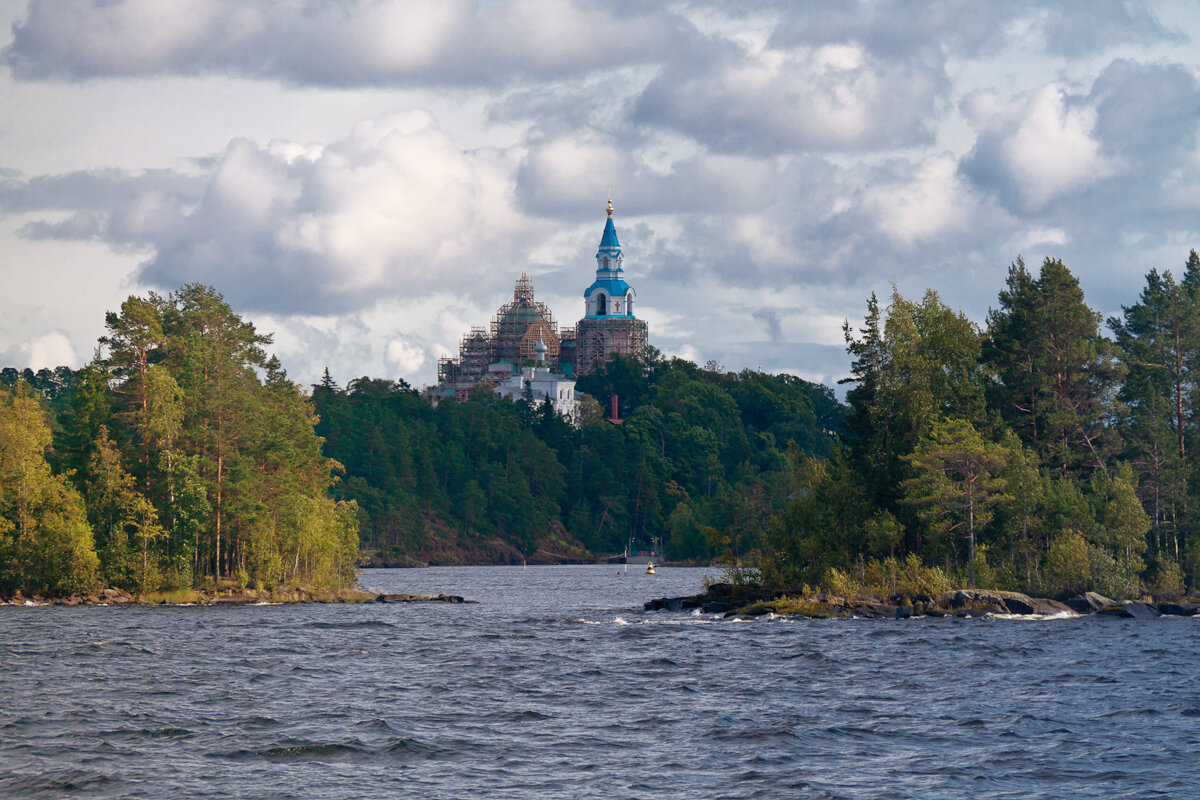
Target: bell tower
608, 325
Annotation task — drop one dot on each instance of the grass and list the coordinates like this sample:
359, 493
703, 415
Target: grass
797, 606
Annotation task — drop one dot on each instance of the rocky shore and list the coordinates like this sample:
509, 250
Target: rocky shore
724, 599
227, 597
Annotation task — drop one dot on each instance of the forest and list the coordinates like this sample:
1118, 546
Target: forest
1048, 450
700, 457
180, 456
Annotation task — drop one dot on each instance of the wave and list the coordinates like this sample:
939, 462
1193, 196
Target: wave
56, 783
364, 623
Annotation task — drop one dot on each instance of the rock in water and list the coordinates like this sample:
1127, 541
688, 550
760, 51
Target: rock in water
1130, 609
1049, 607
1178, 609
1090, 603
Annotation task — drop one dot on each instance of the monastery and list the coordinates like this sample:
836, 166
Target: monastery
525, 352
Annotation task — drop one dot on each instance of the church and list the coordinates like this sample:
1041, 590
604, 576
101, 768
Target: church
523, 334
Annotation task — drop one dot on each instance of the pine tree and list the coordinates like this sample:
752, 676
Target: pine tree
1055, 376
958, 478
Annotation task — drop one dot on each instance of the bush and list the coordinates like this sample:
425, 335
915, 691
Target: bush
916, 579
1068, 565
1168, 582
1111, 578
840, 584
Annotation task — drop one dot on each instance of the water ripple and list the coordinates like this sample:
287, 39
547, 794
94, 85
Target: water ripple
556, 684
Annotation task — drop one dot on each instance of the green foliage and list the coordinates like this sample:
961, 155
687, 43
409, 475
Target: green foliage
914, 579
1067, 458
1168, 582
46, 546
840, 584
958, 478
1035, 455
1068, 566
697, 467
1056, 376
198, 459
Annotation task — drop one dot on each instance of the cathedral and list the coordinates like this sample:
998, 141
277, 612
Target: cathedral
523, 333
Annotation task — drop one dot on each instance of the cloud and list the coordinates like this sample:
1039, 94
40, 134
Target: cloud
1147, 115
837, 97
771, 164
1037, 148
395, 208
928, 201
358, 42
49, 350
770, 321
966, 29
404, 356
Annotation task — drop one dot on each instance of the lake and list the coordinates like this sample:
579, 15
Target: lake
555, 684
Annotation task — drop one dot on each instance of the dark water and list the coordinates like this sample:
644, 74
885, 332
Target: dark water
556, 685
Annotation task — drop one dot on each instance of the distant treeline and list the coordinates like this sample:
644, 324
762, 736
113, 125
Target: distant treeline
1034, 453
700, 457
180, 456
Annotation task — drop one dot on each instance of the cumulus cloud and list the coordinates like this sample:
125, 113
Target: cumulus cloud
1102, 176
971, 30
928, 201
360, 42
404, 356
49, 350
832, 97
771, 164
395, 208
1037, 148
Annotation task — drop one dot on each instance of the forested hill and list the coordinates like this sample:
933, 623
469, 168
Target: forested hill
1049, 451
699, 462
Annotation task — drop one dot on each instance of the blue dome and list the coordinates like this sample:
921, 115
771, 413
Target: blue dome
613, 287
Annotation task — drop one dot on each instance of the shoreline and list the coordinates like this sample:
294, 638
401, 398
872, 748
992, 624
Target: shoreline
226, 597
723, 599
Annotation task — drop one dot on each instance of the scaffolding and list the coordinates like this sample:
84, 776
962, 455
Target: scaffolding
599, 338
518, 324
512, 337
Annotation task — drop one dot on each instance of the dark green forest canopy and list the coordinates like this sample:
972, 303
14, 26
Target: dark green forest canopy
699, 455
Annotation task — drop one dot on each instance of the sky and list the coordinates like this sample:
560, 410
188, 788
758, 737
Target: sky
366, 179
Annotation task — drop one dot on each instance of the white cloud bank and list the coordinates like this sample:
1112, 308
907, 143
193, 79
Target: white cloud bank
771, 164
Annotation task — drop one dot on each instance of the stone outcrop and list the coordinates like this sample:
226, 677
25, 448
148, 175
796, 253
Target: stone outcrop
420, 598
1132, 609
1089, 602
722, 598
1180, 609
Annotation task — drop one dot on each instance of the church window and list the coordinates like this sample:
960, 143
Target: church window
601, 305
